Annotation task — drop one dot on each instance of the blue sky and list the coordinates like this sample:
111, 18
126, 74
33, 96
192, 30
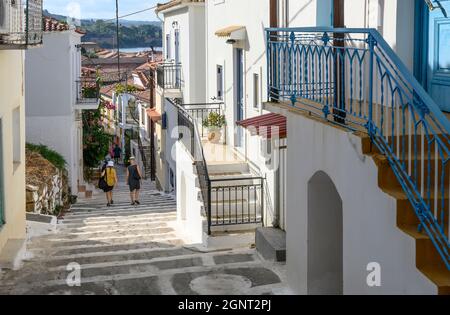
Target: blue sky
104, 9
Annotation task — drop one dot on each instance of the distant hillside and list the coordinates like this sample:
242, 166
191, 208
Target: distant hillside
132, 33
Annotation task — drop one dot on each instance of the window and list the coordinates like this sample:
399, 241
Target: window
220, 83
17, 151
255, 90
2, 187
168, 55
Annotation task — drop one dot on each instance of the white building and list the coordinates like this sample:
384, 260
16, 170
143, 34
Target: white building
180, 77
351, 198
14, 42
350, 208
56, 68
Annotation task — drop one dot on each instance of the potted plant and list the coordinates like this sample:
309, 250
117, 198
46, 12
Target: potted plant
214, 124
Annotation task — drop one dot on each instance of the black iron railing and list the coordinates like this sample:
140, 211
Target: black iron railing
169, 76
236, 201
233, 201
20, 23
88, 91
201, 111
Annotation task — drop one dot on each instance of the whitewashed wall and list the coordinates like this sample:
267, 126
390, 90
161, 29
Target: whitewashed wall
369, 215
190, 21
52, 71
254, 15
12, 135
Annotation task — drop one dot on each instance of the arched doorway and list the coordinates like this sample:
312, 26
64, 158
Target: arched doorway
325, 236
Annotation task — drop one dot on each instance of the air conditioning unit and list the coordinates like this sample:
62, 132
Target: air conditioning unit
10, 17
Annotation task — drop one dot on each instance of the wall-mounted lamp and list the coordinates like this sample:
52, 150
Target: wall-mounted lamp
231, 41
175, 24
438, 5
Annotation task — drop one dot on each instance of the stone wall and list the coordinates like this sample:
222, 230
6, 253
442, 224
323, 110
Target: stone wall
47, 188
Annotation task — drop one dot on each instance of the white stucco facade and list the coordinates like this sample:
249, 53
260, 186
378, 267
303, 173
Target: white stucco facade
52, 72
183, 44
12, 156
370, 233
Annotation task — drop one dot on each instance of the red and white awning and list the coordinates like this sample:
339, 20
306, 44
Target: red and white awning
267, 126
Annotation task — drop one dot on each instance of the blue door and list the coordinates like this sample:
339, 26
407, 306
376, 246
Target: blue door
239, 66
439, 56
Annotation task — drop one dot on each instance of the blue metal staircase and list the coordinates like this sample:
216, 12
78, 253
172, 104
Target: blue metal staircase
352, 77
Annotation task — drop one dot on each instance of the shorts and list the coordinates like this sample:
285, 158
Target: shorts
135, 185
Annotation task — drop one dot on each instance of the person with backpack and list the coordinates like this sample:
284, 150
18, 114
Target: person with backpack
134, 181
108, 181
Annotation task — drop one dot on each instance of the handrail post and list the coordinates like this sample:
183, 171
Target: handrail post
209, 206
372, 43
262, 202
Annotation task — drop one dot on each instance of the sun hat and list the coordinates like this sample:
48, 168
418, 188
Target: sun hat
111, 164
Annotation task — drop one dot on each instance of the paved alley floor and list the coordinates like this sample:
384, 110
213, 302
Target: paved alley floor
128, 249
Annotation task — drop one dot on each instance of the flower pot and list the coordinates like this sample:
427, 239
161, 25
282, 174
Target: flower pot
214, 134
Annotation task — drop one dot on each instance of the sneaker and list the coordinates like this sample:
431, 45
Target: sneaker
112, 202
133, 203
137, 202
108, 205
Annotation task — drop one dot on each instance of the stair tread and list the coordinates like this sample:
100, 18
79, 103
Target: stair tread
441, 277
412, 230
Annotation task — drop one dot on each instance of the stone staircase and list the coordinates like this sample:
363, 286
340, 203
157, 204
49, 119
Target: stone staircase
128, 249
428, 260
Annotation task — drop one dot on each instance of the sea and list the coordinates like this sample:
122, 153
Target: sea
139, 49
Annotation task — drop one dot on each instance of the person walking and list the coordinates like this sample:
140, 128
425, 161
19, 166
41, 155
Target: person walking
110, 177
117, 153
134, 181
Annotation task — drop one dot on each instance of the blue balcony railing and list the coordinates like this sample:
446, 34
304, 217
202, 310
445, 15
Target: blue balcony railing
353, 78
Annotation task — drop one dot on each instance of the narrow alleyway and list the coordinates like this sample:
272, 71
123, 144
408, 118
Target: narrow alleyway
135, 250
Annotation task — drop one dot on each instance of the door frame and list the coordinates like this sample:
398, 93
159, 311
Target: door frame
421, 42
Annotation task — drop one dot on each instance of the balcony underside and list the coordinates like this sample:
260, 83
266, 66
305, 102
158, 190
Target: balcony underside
87, 104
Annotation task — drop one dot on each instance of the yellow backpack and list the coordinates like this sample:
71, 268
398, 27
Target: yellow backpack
110, 176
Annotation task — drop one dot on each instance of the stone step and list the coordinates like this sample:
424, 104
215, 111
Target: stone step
120, 213
119, 221
112, 227
110, 233
125, 239
125, 245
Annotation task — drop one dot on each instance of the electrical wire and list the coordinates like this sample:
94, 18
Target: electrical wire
133, 13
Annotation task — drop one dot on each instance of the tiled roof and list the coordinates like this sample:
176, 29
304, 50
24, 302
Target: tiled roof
53, 25
173, 3
144, 96
107, 90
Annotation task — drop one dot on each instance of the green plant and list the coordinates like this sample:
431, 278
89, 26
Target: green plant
96, 140
90, 92
214, 120
50, 155
122, 88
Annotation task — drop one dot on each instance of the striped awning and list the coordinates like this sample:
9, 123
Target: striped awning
267, 126
234, 32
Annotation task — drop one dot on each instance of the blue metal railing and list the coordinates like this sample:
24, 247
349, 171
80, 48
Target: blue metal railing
353, 78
